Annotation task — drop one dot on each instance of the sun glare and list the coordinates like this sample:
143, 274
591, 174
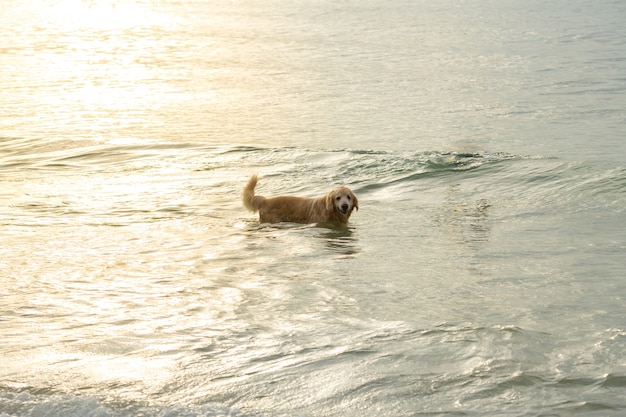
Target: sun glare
94, 65
102, 15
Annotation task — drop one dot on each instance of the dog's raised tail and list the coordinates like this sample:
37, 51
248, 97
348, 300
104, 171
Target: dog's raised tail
250, 201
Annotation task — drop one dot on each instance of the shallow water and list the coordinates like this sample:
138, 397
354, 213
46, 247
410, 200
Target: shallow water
482, 275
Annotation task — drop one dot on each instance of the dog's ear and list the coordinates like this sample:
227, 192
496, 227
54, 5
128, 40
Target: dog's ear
330, 204
355, 201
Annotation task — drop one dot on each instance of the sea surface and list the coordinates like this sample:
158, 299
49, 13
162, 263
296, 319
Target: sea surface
484, 274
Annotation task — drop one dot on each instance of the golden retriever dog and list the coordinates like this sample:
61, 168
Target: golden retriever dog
336, 206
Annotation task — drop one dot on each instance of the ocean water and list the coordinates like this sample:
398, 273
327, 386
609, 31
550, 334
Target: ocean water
484, 273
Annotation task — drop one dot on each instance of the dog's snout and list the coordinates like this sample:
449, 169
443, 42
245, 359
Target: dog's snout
344, 207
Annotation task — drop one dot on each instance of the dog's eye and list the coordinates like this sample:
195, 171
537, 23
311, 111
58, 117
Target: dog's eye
349, 198
338, 198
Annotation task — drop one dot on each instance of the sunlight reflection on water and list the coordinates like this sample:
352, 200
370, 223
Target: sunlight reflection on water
475, 279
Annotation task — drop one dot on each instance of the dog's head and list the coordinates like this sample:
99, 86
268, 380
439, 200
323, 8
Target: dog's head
342, 200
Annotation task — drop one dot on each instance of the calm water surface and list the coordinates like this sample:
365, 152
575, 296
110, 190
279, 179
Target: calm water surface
483, 274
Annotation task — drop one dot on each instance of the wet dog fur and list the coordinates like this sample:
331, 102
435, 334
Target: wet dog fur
336, 206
